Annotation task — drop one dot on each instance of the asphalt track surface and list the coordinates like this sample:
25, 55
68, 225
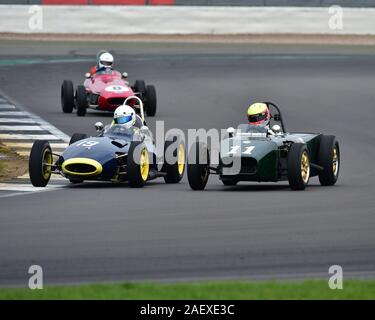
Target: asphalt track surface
108, 232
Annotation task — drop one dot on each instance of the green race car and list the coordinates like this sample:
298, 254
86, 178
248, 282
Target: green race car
253, 153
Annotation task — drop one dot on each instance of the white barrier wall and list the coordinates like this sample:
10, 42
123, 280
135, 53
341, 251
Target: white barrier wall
185, 20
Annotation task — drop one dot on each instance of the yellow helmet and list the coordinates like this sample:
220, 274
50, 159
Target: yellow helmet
259, 114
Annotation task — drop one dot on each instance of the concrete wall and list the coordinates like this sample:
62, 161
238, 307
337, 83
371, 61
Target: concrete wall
271, 3
185, 20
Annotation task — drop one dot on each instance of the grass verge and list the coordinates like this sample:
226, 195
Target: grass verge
11, 164
311, 290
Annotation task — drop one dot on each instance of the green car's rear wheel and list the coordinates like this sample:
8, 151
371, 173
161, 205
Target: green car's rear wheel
298, 166
329, 159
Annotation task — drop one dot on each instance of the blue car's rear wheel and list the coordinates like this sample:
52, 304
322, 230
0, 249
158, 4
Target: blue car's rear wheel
138, 164
174, 160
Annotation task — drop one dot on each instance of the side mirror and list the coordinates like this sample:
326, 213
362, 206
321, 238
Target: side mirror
230, 131
99, 126
276, 128
87, 75
277, 117
125, 75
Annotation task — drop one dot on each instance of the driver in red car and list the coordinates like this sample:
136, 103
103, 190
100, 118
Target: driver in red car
104, 63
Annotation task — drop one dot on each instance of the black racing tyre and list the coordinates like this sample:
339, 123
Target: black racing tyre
76, 137
138, 164
150, 101
329, 159
175, 171
140, 87
298, 166
229, 182
198, 171
40, 162
81, 98
67, 96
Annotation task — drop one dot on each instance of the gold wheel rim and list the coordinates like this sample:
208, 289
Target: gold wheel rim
335, 161
144, 164
47, 162
181, 159
305, 167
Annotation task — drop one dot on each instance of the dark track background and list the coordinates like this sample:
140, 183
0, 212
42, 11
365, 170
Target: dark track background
100, 232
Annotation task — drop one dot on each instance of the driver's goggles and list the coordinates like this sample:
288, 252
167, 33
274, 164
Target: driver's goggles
257, 117
124, 119
106, 63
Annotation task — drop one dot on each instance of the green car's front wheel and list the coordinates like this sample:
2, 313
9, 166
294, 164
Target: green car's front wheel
198, 166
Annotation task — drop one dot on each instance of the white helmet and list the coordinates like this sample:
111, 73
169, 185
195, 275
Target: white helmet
125, 115
105, 60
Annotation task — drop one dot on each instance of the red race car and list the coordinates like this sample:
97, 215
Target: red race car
106, 91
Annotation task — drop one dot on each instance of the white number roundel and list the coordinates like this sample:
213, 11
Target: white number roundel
117, 89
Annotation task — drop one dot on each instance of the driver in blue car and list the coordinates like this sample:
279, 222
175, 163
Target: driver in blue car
125, 115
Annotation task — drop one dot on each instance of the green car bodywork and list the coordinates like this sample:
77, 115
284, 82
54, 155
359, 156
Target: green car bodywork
263, 157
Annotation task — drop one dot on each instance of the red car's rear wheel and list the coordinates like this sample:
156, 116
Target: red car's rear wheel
67, 96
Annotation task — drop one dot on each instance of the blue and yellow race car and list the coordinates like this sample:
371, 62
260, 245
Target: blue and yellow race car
116, 154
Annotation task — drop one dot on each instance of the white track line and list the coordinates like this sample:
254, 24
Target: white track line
13, 113
6, 136
25, 187
6, 106
44, 124
21, 128
54, 177
28, 145
18, 120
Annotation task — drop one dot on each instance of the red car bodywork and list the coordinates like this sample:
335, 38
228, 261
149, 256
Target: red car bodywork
106, 91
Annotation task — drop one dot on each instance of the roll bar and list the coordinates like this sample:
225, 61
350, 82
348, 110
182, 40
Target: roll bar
278, 117
140, 105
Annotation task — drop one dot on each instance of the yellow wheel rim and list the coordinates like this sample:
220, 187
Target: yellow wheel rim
335, 161
47, 162
181, 159
305, 167
144, 165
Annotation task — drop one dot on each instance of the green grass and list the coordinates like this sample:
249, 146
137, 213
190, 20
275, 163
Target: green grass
312, 289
